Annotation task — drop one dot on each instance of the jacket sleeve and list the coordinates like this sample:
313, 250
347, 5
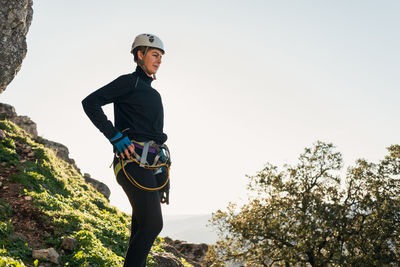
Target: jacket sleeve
107, 94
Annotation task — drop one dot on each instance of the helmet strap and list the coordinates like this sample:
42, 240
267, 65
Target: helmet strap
143, 66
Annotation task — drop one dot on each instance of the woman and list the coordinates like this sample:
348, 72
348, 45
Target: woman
138, 131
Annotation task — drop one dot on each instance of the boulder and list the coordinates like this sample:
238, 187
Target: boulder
49, 254
8, 112
166, 259
27, 124
101, 187
15, 19
61, 151
2, 135
69, 243
194, 253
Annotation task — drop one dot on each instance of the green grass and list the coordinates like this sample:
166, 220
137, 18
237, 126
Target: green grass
68, 203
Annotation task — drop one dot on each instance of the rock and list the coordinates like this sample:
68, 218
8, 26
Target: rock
8, 112
3, 164
27, 124
28, 198
69, 243
194, 253
49, 254
101, 187
61, 151
166, 259
15, 19
2, 135
27, 149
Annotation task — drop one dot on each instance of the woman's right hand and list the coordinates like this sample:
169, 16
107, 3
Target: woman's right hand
123, 145
128, 151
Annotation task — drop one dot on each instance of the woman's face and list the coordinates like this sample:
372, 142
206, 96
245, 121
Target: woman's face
152, 61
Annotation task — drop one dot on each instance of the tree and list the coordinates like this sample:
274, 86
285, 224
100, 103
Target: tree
306, 215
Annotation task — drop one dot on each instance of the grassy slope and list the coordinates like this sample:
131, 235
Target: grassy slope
67, 206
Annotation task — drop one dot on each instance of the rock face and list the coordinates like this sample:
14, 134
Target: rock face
15, 19
192, 253
8, 112
61, 151
101, 187
166, 259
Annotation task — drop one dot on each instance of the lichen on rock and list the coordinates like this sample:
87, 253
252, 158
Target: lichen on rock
15, 19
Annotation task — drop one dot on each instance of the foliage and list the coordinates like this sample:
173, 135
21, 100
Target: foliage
5, 210
212, 258
7, 151
303, 215
91, 252
68, 204
185, 263
16, 248
6, 261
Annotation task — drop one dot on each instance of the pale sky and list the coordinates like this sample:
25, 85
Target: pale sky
243, 83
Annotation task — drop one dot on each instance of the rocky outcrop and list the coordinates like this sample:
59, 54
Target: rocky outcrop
15, 19
49, 254
195, 252
192, 253
8, 112
166, 259
101, 187
61, 151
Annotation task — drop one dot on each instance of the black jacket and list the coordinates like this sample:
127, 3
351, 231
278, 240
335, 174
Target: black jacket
137, 106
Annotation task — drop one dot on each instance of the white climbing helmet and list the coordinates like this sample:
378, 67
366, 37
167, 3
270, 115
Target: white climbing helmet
149, 40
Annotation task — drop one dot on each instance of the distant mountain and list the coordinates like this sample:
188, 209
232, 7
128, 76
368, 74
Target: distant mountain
192, 228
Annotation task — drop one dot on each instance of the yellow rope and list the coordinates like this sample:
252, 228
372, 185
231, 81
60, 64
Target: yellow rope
134, 182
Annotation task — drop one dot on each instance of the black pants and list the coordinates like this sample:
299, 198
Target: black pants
146, 213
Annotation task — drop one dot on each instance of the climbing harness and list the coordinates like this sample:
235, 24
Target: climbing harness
161, 163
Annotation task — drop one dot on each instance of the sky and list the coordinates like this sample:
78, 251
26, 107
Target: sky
243, 83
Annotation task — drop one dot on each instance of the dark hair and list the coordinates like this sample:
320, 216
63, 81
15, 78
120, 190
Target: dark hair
135, 52
143, 49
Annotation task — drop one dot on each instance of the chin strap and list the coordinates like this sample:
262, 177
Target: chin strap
143, 66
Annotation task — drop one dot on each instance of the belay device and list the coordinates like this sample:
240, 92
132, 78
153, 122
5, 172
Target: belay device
161, 164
